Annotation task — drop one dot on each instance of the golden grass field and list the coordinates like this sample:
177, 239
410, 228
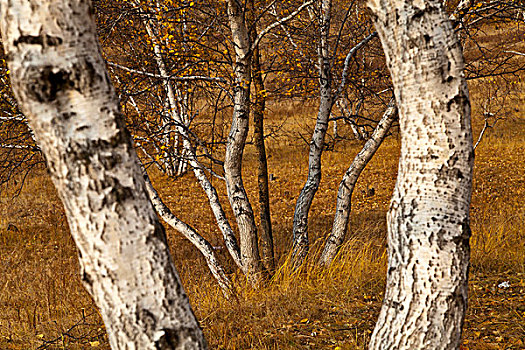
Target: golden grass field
43, 304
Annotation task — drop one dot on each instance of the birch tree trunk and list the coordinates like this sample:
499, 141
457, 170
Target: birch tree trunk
213, 198
266, 235
189, 232
59, 78
251, 262
304, 201
428, 221
346, 187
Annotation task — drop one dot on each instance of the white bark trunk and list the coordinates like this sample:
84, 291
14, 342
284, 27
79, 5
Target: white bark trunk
213, 198
240, 204
200, 243
304, 201
428, 221
60, 81
346, 188
189, 232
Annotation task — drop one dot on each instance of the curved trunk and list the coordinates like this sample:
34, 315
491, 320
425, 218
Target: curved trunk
213, 198
259, 105
346, 188
428, 221
240, 204
304, 201
220, 216
60, 80
189, 232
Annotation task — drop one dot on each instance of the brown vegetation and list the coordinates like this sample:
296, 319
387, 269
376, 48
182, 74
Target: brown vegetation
43, 304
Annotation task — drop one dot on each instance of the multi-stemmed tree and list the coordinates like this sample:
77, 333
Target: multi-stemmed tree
59, 79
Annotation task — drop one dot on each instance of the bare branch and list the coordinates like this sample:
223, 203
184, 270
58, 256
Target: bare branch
279, 22
349, 56
33, 148
168, 77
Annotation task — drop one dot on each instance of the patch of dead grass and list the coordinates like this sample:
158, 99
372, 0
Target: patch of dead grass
41, 297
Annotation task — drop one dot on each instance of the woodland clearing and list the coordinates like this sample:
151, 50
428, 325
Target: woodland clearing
45, 306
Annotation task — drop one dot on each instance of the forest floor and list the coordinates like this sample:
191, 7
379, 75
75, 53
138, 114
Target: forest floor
44, 306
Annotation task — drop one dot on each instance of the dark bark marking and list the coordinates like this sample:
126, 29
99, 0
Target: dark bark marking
118, 194
42, 40
46, 82
173, 338
147, 318
86, 279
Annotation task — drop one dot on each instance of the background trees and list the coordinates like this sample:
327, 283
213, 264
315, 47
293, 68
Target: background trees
174, 66
176, 79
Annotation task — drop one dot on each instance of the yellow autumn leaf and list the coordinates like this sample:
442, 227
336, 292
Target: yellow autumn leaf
94, 344
40, 336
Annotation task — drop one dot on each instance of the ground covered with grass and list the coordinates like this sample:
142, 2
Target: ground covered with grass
43, 304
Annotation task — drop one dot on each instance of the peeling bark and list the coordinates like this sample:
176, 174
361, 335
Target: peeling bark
346, 187
59, 78
428, 221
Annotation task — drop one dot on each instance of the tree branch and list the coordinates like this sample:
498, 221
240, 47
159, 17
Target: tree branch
279, 22
168, 77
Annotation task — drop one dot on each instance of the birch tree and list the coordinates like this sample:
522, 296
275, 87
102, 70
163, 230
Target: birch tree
329, 57
178, 116
347, 185
428, 221
304, 201
59, 78
258, 111
236, 141
174, 84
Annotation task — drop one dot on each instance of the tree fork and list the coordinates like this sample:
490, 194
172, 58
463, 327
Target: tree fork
347, 185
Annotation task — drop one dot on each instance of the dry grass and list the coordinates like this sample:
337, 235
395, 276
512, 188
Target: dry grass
43, 304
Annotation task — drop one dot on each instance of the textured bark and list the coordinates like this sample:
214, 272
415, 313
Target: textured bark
213, 198
259, 105
220, 216
346, 187
237, 196
189, 232
59, 78
304, 201
428, 221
